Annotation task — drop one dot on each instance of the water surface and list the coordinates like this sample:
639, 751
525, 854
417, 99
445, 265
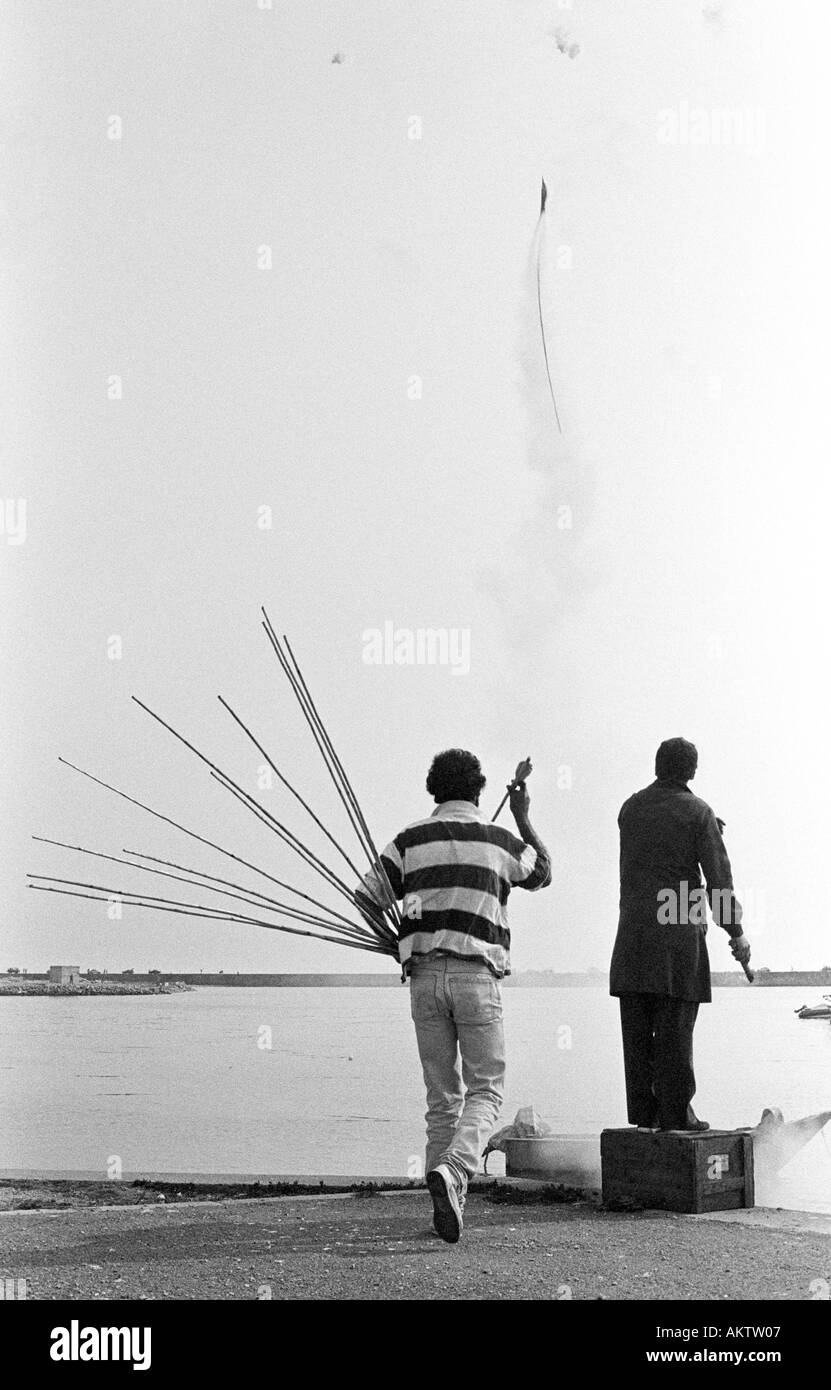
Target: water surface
197, 1083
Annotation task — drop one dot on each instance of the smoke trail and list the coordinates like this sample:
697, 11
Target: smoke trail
538, 252
552, 538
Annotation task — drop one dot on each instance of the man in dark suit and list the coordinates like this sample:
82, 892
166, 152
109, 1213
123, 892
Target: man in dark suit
660, 967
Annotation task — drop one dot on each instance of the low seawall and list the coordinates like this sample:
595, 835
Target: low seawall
17, 986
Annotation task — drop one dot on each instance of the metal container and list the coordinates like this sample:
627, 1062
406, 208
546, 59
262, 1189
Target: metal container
572, 1160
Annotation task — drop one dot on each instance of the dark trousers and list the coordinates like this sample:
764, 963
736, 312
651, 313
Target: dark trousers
658, 1059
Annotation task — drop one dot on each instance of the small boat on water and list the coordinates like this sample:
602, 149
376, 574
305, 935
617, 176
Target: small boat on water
815, 1010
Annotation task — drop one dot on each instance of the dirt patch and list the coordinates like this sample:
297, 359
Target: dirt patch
34, 1194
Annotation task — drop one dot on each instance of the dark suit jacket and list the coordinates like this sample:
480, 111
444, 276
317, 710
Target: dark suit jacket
667, 836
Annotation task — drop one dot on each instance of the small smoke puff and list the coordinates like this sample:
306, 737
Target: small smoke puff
339, 58
563, 42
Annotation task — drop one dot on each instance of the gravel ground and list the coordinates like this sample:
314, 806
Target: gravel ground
24, 1194
382, 1247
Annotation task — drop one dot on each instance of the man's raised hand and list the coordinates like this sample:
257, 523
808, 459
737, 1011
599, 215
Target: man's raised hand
519, 800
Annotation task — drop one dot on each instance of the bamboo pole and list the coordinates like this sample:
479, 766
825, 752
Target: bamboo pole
215, 916
317, 735
373, 855
243, 895
123, 893
192, 834
211, 878
251, 802
379, 934
293, 673
287, 783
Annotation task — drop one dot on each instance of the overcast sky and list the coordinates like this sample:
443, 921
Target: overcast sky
686, 296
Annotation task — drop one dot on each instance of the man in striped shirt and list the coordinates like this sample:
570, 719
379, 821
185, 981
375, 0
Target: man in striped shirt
452, 873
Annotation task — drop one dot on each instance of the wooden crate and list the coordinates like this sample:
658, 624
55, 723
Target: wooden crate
676, 1171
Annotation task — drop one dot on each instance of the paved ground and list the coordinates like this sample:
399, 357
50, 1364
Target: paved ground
381, 1247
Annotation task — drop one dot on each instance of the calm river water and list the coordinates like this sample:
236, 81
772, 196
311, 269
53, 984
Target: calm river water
327, 1081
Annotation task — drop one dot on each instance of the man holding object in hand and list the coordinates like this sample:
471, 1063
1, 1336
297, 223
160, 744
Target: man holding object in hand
453, 872
660, 966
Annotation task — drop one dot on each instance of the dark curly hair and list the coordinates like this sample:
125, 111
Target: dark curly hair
676, 759
455, 775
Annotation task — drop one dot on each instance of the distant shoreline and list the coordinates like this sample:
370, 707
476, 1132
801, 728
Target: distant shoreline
176, 982
21, 986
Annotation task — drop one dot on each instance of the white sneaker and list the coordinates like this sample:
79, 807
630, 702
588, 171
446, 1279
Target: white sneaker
447, 1204
462, 1200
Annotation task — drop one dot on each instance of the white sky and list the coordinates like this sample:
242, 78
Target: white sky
690, 358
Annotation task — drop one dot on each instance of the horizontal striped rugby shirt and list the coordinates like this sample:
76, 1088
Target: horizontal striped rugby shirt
453, 872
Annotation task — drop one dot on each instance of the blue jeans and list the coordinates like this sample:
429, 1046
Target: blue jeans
457, 1010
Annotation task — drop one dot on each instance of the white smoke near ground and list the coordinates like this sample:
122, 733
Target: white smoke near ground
777, 1145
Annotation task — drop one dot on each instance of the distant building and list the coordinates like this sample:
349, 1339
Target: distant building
65, 974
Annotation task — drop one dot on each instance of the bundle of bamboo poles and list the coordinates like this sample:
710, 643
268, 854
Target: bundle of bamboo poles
308, 916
